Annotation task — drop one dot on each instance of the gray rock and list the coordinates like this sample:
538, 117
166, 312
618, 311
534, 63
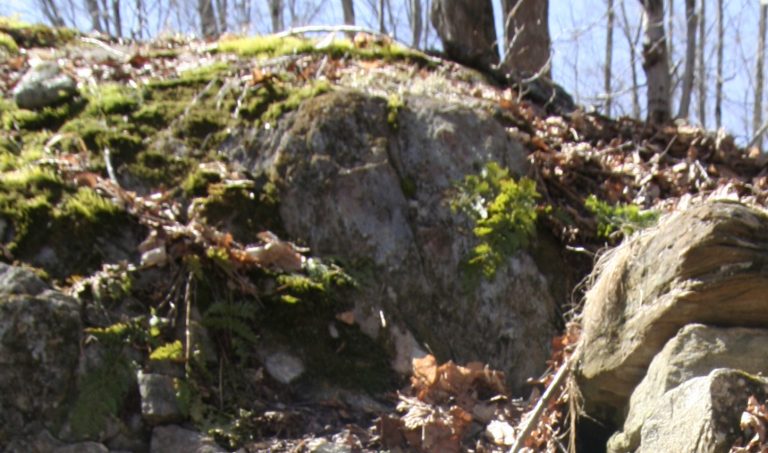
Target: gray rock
694, 351
39, 349
284, 367
40, 442
83, 447
355, 188
17, 280
701, 415
702, 265
44, 85
174, 439
158, 398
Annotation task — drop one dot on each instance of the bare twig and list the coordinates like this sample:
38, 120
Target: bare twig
535, 414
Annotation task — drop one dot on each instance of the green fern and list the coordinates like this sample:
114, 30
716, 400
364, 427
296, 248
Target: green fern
232, 318
504, 211
619, 220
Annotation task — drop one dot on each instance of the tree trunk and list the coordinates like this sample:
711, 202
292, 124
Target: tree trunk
690, 57
141, 18
757, 117
632, 43
656, 62
467, 31
526, 36
416, 22
116, 19
382, 28
276, 13
207, 18
719, 73
92, 6
105, 17
221, 8
609, 59
702, 78
349, 12
671, 29
52, 13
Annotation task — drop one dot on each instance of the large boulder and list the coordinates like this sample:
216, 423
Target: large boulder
695, 351
705, 265
39, 349
702, 415
355, 187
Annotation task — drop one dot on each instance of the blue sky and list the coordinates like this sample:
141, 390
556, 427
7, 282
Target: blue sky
578, 29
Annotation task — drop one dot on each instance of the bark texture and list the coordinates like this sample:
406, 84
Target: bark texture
467, 31
656, 62
527, 43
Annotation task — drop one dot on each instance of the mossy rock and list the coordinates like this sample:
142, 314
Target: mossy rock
36, 35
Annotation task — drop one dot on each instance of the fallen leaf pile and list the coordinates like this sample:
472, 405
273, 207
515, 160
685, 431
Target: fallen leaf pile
754, 429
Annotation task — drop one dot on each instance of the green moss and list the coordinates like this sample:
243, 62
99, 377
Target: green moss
196, 182
266, 46
294, 99
240, 210
112, 99
8, 44
394, 104
47, 118
271, 46
198, 124
158, 115
156, 167
206, 73
98, 134
36, 35
87, 206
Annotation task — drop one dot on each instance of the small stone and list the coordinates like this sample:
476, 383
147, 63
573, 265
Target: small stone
284, 367
158, 398
44, 85
174, 439
83, 447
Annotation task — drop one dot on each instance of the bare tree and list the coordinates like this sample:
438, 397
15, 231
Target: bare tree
526, 36
221, 9
382, 28
757, 116
671, 28
702, 64
117, 19
416, 17
105, 17
207, 18
719, 70
609, 58
92, 6
276, 14
656, 62
349, 11
51, 12
690, 57
242, 10
632, 37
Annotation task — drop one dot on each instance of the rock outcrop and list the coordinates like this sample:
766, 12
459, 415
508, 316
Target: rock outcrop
353, 186
695, 351
40, 331
649, 345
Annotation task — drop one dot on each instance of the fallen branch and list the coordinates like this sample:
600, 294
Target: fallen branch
535, 414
